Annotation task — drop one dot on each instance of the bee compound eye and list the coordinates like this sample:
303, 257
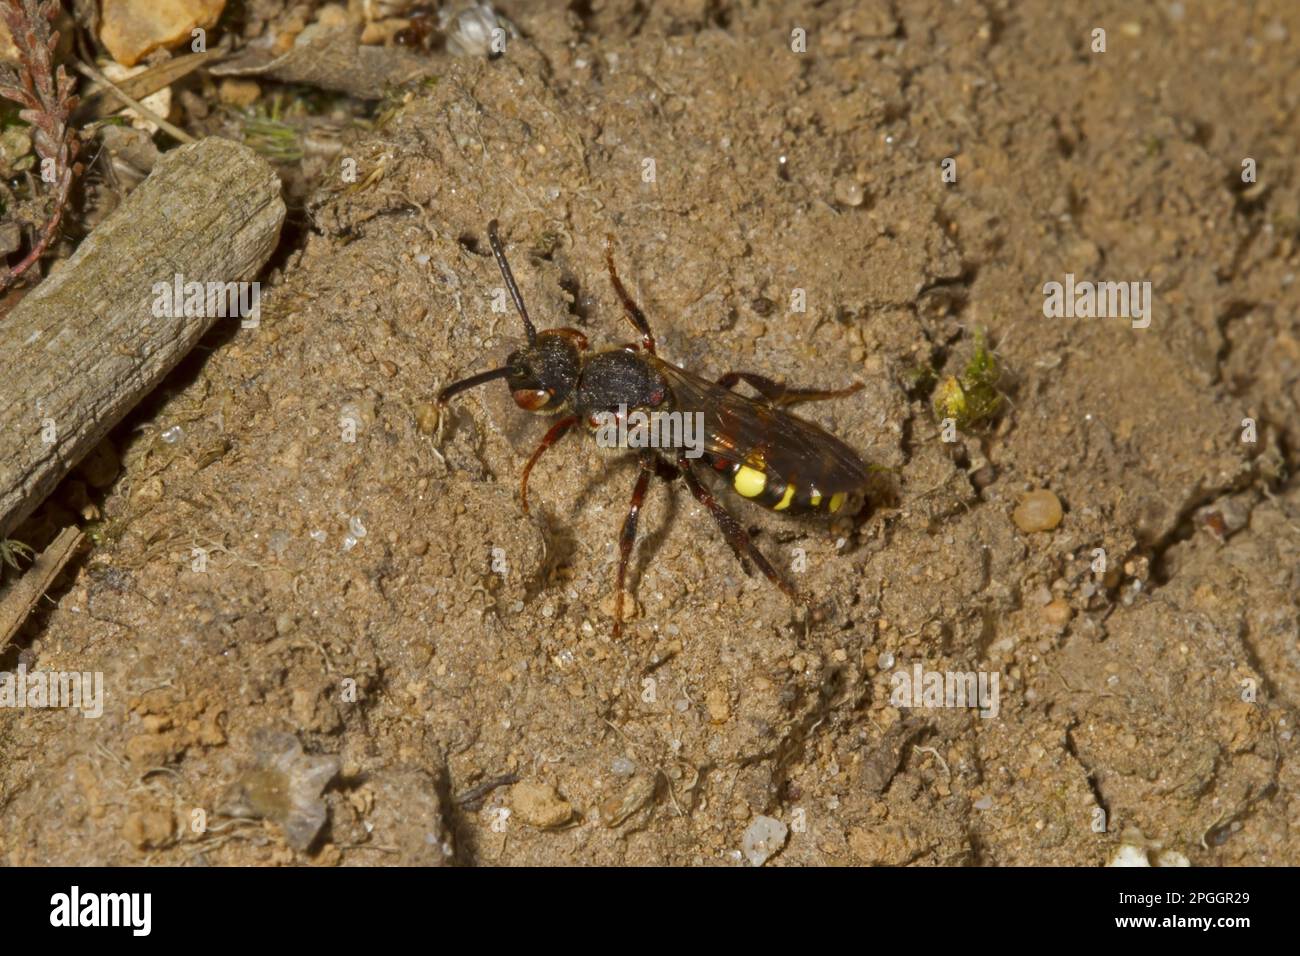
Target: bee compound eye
531, 399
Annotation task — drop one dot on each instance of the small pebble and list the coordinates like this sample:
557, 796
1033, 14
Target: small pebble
539, 805
1038, 511
1058, 613
132, 29
848, 192
764, 838
623, 767
426, 418
239, 93
150, 828
1129, 856
719, 705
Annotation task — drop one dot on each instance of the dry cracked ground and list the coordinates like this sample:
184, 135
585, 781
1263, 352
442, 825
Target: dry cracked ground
386, 603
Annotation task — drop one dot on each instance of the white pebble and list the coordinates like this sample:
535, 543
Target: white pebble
764, 838
1130, 856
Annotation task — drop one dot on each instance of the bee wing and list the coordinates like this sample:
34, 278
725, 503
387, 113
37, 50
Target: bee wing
747, 431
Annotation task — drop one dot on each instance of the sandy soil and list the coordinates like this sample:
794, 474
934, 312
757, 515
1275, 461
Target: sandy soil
1162, 692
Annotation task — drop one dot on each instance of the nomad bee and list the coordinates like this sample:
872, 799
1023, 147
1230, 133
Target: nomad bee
764, 453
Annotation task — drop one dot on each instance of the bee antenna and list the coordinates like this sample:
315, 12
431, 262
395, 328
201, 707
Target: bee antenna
506, 274
474, 381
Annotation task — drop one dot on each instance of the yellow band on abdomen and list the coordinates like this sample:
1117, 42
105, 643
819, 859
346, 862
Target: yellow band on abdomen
749, 482
785, 498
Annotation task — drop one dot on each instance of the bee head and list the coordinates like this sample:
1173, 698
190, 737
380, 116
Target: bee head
542, 377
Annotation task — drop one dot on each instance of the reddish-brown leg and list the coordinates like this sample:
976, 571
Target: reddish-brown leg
628, 536
558, 431
633, 310
736, 535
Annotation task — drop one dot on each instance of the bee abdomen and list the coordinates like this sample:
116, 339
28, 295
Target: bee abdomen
753, 482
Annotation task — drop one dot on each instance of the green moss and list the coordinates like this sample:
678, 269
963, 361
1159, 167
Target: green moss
11, 550
971, 399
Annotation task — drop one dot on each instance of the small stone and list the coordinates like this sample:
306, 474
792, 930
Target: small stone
313, 711
148, 491
379, 32
476, 31
848, 192
1057, 613
1128, 855
151, 749
238, 93
285, 786
539, 805
631, 606
636, 796
763, 839
719, 704
1038, 511
150, 828
132, 29
334, 16
884, 845
426, 418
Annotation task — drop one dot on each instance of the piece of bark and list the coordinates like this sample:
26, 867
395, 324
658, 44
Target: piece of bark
82, 348
333, 60
17, 602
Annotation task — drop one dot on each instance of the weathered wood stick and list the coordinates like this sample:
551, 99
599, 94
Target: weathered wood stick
25, 593
96, 336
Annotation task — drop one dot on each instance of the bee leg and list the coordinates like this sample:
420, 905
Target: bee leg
627, 537
558, 431
779, 394
633, 310
736, 535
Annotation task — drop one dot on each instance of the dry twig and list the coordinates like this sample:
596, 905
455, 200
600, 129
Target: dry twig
46, 97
